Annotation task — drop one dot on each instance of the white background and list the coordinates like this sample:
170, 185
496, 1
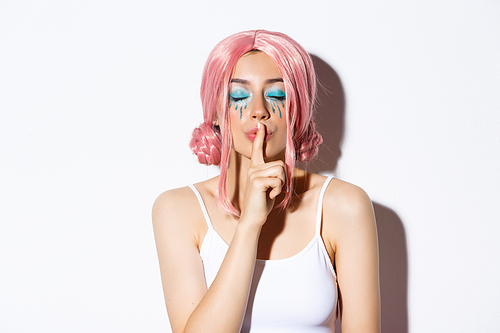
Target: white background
98, 100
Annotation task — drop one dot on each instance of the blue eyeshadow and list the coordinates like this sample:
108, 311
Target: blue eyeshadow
238, 94
278, 94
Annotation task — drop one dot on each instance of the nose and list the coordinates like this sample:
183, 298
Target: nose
259, 110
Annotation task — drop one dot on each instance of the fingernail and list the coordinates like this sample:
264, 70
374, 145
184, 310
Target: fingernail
258, 125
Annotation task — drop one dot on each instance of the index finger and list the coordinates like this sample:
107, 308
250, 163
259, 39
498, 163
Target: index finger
257, 157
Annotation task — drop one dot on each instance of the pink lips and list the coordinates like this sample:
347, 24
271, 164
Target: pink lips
251, 134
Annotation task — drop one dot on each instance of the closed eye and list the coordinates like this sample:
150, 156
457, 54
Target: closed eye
238, 95
277, 94
237, 99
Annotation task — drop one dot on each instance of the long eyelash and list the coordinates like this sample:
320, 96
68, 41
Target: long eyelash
237, 99
277, 95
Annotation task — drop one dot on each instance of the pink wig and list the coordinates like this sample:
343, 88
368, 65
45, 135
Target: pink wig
213, 144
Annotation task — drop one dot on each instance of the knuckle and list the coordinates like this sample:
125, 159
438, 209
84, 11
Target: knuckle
279, 169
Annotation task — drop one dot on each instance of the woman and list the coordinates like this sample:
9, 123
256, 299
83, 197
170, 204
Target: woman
265, 246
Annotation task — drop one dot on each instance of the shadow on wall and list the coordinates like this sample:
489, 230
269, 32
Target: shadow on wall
393, 270
329, 118
391, 234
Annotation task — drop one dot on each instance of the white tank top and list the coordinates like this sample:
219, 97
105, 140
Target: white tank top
296, 294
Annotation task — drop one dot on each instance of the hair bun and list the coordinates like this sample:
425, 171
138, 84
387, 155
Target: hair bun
206, 144
307, 148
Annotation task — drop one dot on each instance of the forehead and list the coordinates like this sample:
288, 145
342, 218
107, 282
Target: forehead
256, 65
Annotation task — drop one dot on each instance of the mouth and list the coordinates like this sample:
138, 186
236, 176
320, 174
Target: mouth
253, 132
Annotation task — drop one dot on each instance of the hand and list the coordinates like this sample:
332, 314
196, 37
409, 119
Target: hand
265, 181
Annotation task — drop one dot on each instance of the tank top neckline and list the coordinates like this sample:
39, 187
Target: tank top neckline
314, 240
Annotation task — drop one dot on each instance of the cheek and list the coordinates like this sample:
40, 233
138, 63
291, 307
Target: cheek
235, 114
278, 106
235, 124
283, 125
237, 108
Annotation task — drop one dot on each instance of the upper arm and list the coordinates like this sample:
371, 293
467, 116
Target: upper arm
353, 231
180, 263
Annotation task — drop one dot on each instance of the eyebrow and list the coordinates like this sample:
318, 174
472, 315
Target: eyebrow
246, 82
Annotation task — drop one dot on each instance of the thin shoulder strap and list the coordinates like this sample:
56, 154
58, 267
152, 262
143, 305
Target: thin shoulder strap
202, 205
319, 214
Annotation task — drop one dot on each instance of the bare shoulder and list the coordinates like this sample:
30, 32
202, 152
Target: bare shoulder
182, 200
174, 202
341, 197
346, 199
178, 211
171, 216
347, 212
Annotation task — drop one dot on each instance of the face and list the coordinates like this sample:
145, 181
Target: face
257, 94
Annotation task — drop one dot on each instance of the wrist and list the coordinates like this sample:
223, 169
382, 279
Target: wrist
248, 226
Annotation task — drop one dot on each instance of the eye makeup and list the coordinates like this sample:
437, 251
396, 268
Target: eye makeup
276, 97
276, 94
239, 97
